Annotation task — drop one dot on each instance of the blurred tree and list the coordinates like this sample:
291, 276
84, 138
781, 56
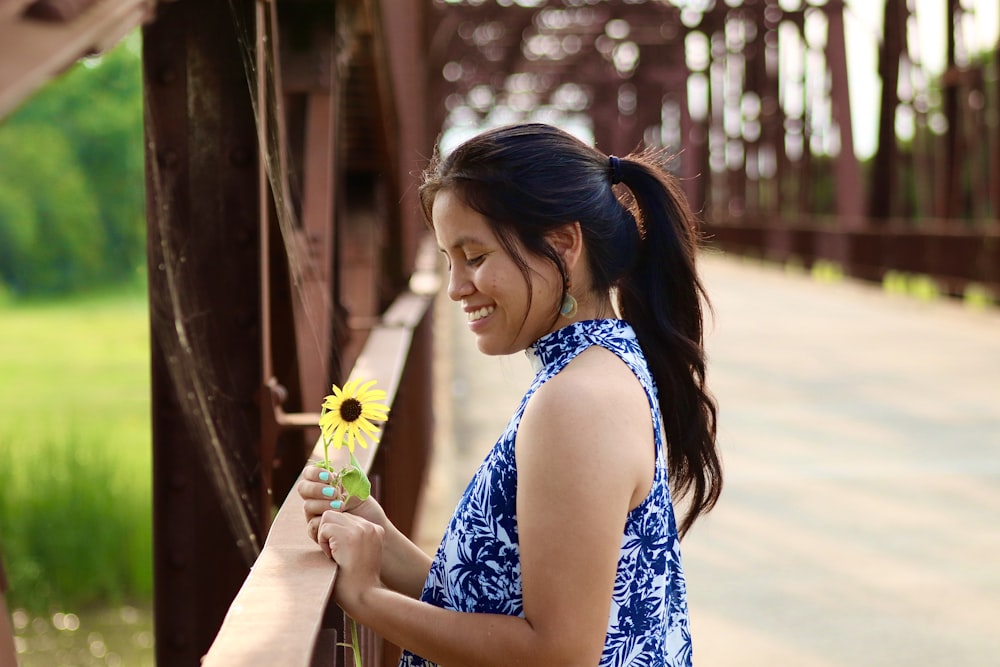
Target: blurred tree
71, 179
55, 223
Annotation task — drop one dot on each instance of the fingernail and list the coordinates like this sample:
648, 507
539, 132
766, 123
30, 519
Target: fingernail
324, 476
328, 491
335, 504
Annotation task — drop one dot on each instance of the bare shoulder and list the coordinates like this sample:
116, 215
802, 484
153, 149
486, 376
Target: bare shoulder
592, 418
596, 385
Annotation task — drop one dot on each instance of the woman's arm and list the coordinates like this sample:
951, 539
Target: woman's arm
404, 564
585, 457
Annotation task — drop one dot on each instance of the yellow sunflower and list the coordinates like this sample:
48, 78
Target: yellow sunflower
348, 414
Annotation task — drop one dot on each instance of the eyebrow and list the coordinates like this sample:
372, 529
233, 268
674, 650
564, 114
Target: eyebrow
463, 241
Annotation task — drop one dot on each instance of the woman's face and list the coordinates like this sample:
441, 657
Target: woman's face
489, 284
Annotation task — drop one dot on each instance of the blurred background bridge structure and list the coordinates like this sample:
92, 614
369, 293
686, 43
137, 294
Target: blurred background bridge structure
755, 103
284, 142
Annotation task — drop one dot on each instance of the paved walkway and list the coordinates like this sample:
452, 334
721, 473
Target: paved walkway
860, 524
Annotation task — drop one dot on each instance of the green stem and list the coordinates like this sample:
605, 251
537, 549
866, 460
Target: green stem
354, 643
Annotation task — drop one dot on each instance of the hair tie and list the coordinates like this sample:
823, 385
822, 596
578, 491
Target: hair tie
616, 169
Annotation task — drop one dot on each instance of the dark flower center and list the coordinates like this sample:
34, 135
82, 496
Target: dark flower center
350, 409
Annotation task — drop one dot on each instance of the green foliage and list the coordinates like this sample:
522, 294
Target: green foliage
75, 452
915, 285
827, 272
924, 288
978, 297
895, 282
71, 180
53, 246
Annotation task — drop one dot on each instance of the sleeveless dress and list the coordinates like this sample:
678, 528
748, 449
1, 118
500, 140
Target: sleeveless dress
477, 566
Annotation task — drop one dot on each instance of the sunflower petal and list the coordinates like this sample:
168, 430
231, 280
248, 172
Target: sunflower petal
373, 412
367, 427
338, 435
375, 395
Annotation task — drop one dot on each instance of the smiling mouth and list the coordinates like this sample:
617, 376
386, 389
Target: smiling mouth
476, 315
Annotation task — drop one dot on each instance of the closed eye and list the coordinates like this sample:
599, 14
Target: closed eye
475, 261
446, 257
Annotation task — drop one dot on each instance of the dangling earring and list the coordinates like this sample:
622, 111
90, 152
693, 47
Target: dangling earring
569, 304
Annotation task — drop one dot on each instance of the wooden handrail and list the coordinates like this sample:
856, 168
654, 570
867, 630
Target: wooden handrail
278, 613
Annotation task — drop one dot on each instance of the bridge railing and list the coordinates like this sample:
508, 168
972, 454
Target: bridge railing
954, 253
283, 614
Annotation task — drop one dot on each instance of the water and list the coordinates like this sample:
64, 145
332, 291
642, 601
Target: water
105, 637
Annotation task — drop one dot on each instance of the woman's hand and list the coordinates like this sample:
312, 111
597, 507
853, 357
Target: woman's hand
404, 565
356, 545
319, 496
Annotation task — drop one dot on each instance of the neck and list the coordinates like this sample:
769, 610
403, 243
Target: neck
593, 307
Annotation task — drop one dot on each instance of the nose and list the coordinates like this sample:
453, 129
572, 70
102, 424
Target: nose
459, 283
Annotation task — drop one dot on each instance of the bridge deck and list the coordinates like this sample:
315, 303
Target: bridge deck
860, 524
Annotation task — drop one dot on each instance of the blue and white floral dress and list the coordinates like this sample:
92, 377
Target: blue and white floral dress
477, 568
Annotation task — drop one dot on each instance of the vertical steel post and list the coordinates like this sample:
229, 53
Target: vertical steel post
884, 194
949, 175
994, 179
405, 35
8, 652
847, 173
772, 117
204, 297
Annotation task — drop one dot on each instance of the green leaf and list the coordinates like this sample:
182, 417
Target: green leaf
354, 480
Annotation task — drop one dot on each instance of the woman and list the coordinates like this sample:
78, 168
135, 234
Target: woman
564, 549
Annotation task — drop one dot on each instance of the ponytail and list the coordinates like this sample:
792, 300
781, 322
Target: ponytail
661, 297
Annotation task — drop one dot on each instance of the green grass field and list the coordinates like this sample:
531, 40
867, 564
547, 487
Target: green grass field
75, 459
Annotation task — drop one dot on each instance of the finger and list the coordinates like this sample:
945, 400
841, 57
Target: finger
315, 508
331, 528
334, 519
312, 473
308, 489
319, 491
312, 528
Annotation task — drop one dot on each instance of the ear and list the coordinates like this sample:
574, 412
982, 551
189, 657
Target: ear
567, 241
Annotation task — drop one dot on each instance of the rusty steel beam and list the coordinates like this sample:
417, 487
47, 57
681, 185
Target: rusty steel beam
847, 172
404, 32
755, 81
8, 652
34, 51
204, 319
313, 325
994, 178
772, 115
949, 176
884, 194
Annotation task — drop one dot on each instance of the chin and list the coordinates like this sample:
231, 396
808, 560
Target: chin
491, 348
486, 348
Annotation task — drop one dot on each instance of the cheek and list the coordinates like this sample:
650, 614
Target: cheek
495, 288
